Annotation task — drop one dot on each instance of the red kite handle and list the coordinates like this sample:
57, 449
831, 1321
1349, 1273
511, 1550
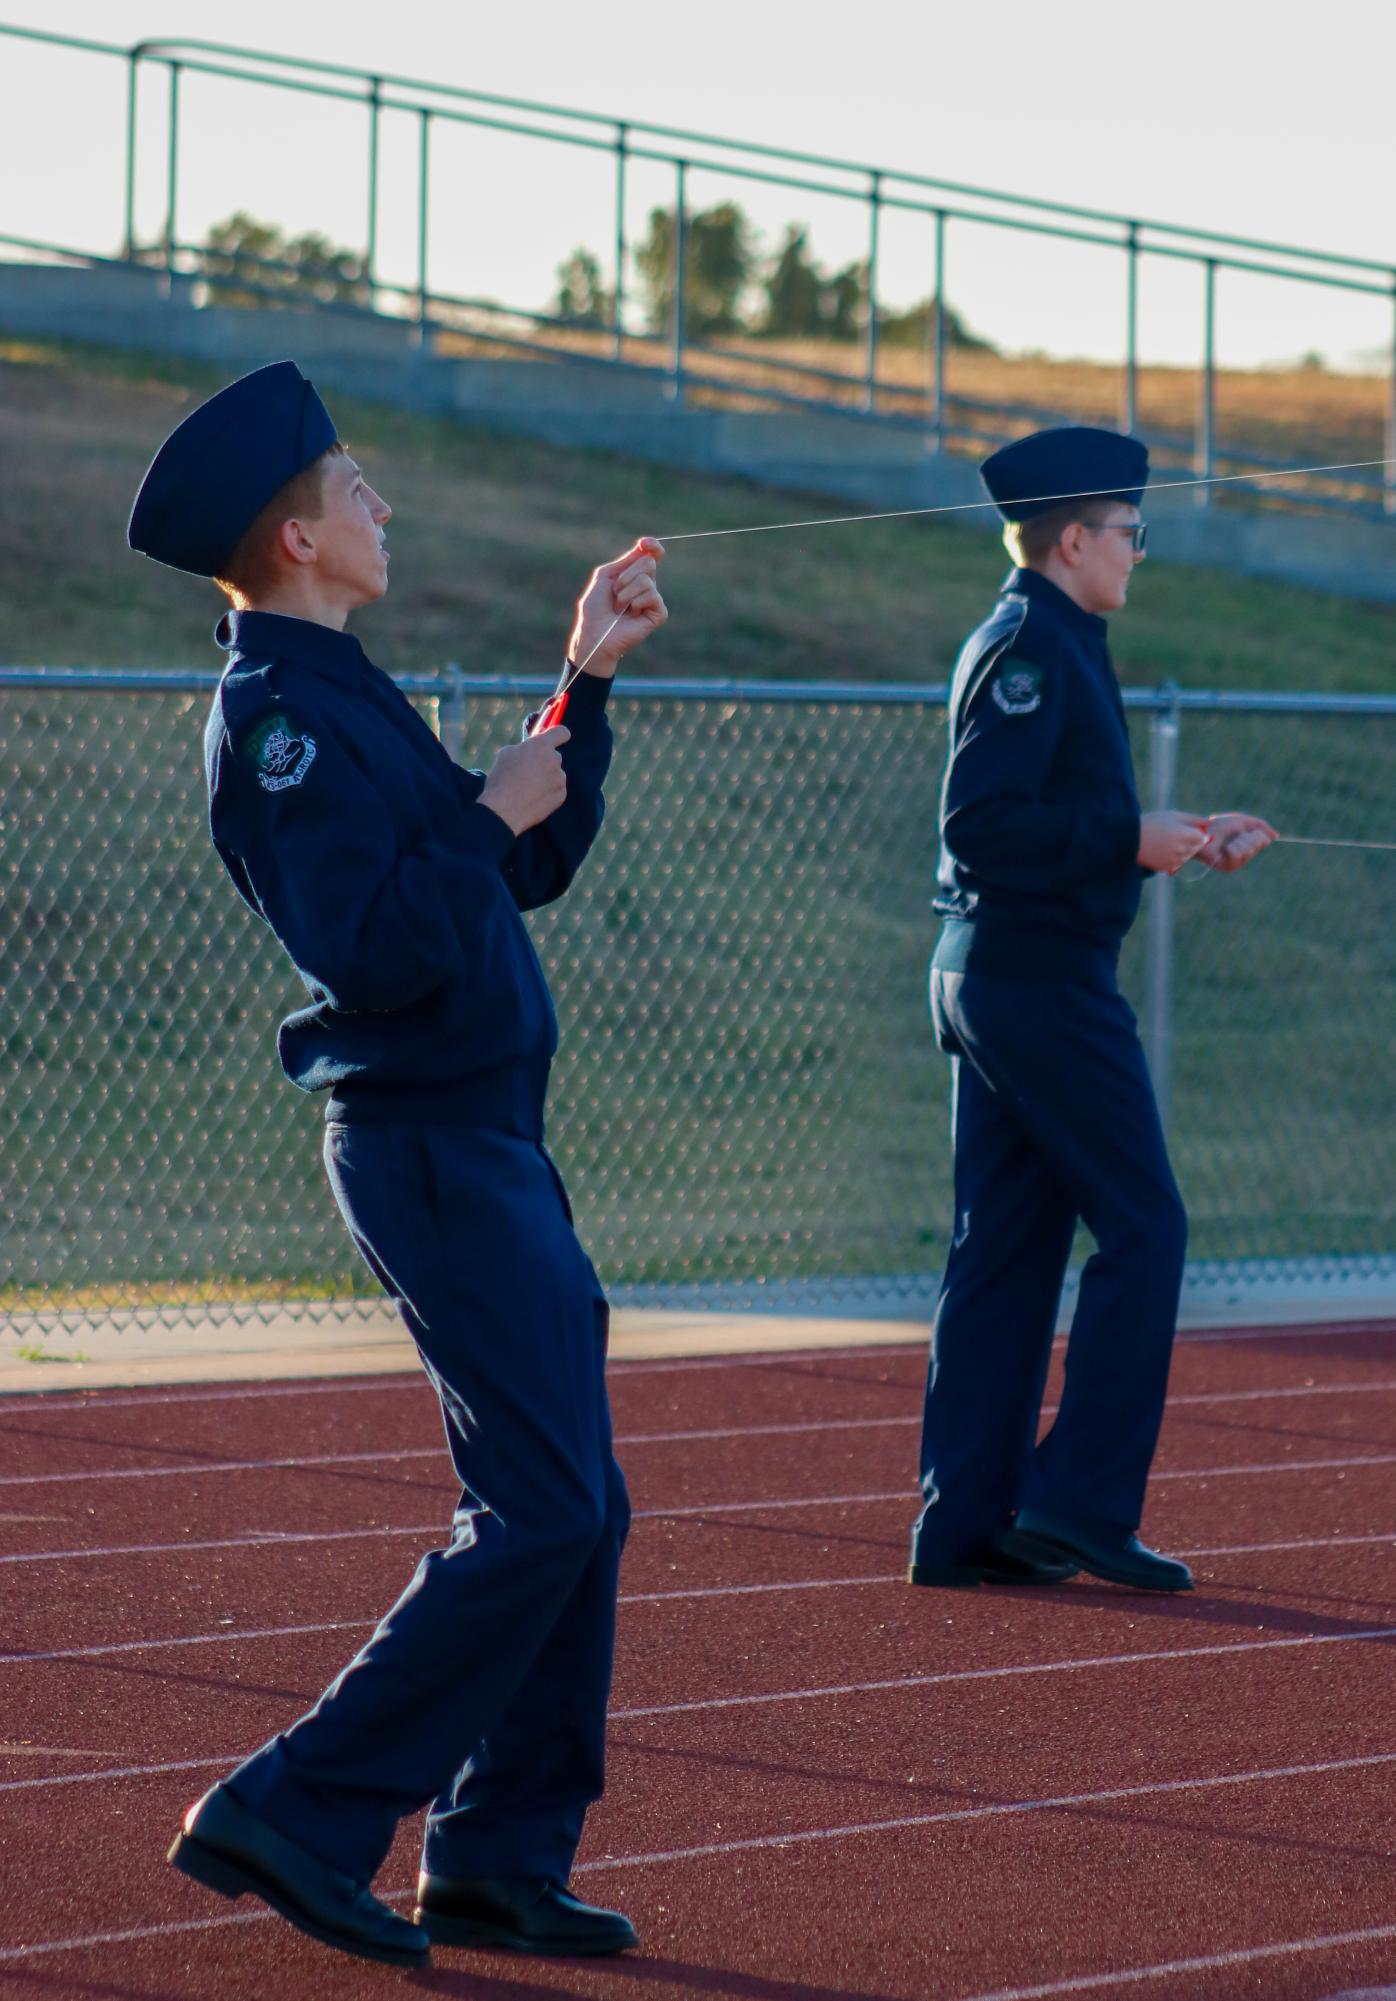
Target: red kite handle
551, 714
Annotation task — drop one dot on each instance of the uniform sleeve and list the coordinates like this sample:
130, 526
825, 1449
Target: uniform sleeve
998, 818
376, 926
542, 861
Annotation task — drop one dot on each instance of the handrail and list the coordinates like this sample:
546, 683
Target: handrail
178, 50
944, 202
173, 50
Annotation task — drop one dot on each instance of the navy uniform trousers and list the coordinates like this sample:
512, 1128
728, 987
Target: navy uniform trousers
483, 1693
1054, 1120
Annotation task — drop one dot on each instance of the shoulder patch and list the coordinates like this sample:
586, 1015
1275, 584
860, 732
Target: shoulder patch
280, 753
1017, 690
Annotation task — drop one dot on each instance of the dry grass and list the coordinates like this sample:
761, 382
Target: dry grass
1282, 411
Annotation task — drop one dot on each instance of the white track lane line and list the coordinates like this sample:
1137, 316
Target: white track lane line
998, 1810
891, 1685
301, 1461
34, 1400
22, 1658
953, 1816
311, 1461
1017, 1671
288, 1538
1134, 1976
226, 1759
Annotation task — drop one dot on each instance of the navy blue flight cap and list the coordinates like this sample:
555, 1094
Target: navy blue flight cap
216, 472
1071, 462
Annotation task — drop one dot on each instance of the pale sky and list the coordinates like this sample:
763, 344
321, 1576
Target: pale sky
1259, 117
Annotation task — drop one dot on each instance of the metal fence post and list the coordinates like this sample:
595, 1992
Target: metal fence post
1131, 409
1158, 1019
450, 713
680, 261
618, 297
133, 61
374, 115
1388, 471
1204, 458
938, 341
172, 183
874, 220
424, 162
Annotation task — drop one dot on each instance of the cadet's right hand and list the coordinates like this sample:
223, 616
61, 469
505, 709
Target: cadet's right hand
1167, 840
527, 781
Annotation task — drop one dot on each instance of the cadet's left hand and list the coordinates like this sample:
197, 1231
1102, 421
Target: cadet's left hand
1233, 839
626, 588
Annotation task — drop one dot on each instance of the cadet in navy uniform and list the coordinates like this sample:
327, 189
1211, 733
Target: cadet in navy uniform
1044, 851
395, 880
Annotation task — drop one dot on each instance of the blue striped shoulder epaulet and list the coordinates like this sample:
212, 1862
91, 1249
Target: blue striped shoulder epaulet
985, 647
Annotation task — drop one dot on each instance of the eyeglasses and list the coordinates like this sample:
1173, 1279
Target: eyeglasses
1137, 531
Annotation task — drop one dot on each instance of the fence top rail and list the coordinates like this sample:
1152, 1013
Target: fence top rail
172, 50
451, 681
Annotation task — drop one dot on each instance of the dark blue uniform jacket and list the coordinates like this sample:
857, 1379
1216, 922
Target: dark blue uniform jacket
1038, 877
347, 827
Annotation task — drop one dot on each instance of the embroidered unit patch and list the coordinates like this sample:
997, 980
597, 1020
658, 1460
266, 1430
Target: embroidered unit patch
281, 754
1018, 690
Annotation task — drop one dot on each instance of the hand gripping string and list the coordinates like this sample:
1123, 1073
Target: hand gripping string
555, 708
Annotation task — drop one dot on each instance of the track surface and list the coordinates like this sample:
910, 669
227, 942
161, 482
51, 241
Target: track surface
823, 1783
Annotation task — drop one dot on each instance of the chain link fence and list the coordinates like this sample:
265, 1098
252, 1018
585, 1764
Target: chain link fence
747, 1104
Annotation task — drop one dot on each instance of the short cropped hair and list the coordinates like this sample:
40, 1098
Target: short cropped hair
1030, 542
247, 569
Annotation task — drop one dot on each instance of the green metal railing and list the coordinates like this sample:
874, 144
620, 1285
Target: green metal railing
944, 417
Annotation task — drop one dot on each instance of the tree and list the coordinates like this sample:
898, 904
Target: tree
720, 261
582, 299
914, 328
794, 290
306, 268
846, 311
804, 302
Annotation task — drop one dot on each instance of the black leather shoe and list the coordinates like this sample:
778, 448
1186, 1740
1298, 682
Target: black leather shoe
1114, 1554
517, 1916
998, 1562
230, 1850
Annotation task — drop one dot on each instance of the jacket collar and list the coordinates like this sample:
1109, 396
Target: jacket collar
270, 635
1042, 591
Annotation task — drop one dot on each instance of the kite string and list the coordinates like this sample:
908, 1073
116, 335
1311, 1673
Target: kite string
1029, 500
1037, 500
1318, 841
1297, 841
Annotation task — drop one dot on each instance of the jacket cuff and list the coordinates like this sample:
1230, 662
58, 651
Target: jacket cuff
486, 834
588, 696
1123, 836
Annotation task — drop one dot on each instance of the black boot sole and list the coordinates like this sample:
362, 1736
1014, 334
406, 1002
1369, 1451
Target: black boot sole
1130, 1582
1108, 1573
496, 1938
234, 1879
964, 1576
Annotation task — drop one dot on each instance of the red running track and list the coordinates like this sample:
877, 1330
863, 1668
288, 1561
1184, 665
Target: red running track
823, 1784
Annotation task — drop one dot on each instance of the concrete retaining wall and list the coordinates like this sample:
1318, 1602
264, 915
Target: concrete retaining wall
631, 412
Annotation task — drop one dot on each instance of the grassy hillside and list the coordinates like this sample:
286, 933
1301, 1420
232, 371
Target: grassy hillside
493, 537
748, 1086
